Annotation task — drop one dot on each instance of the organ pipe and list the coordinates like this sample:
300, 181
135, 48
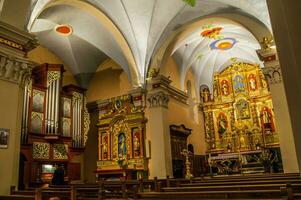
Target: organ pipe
55, 122
57, 101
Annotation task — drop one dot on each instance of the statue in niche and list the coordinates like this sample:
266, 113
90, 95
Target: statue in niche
225, 87
252, 82
215, 91
222, 124
242, 141
229, 147
105, 147
205, 95
238, 84
121, 145
266, 117
257, 144
136, 144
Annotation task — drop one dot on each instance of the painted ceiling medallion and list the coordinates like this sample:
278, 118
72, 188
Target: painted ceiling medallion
63, 29
212, 33
223, 44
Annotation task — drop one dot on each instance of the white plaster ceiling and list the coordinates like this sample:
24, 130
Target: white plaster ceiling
144, 24
203, 55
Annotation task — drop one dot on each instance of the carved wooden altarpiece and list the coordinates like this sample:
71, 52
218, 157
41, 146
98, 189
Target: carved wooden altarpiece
239, 116
121, 136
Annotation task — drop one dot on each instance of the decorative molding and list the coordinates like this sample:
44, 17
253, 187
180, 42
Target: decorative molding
86, 121
14, 69
158, 99
271, 70
60, 151
53, 76
273, 74
15, 40
161, 82
40, 150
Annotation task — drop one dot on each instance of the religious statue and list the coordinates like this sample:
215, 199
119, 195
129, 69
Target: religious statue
252, 82
229, 147
205, 95
257, 144
105, 147
225, 87
136, 144
242, 141
266, 118
267, 42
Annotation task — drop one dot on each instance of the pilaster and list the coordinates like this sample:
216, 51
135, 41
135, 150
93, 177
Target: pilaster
273, 74
15, 71
158, 98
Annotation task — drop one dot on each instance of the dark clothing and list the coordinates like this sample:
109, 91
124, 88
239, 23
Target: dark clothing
58, 177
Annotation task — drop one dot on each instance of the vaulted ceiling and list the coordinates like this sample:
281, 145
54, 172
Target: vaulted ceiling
210, 48
131, 31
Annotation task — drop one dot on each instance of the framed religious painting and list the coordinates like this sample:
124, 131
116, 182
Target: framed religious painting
4, 135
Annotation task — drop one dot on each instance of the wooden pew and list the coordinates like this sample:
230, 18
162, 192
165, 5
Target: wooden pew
228, 194
17, 197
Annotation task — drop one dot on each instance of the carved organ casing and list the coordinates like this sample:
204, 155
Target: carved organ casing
54, 122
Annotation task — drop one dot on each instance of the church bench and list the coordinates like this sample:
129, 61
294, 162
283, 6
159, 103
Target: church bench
227, 194
225, 187
17, 197
243, 179
242, 182
278, 175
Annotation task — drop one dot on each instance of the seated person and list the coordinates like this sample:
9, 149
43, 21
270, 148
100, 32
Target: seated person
58, 176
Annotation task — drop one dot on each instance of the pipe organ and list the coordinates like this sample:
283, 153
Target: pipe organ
55, 124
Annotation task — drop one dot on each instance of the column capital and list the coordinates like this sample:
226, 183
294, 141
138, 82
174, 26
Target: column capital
269, 56
14, 45
271, 70
158, 99
15, 69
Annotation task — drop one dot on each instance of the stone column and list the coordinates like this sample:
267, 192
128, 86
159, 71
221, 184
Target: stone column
15, 71
285, 20
160, 164
273, 75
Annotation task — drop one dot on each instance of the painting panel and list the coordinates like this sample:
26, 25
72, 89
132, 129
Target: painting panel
122, 151
38, 101
4, 135
66, 107
36, 122
242, 109
238, 84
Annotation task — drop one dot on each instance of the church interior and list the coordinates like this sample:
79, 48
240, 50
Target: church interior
149, 99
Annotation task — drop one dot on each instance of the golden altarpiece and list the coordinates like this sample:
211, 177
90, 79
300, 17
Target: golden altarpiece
55, 123
240, 125
121, 136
